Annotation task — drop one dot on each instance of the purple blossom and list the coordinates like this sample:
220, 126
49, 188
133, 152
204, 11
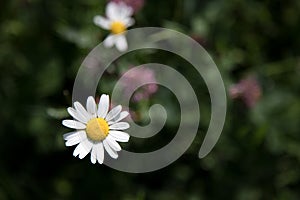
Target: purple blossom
139, 76
247, 89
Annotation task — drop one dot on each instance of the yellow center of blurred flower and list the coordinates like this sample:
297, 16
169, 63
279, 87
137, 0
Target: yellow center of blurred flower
117, 27
97, 129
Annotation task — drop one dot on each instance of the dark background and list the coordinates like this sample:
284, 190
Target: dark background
42, 44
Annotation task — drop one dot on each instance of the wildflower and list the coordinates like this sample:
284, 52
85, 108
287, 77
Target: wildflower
97, 129
138, 76
248, 90
117, 21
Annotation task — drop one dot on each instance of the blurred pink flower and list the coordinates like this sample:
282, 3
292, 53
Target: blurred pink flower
139, 76
248, 90
136, 5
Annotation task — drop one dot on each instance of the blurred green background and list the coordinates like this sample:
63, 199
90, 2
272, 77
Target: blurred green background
42, 44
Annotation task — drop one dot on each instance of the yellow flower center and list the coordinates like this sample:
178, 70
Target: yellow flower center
97, 129
117, 27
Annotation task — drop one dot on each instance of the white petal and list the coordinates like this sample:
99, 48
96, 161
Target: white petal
103, 106
67, 136
113, 144
112, 11
109, 150
102, 22
100, 152
80, 109
94, 154
83, 148
121, 42
128, 21
124, 11
119, 136
119, 117
113, 113
109, 41
87, 146
73, 141
70, 135
119, 126
91, 106
76, 115
78, 149
73, 124
82, 117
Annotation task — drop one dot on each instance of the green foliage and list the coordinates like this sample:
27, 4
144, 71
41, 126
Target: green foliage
42, 44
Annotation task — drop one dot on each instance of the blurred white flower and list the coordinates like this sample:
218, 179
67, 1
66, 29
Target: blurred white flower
117, 21
97, 129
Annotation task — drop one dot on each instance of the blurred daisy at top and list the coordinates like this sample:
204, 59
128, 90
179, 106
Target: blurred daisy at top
97, 129
118, 19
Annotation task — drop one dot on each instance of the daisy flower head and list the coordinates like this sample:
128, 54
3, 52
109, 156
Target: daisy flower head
97, 129
117, 21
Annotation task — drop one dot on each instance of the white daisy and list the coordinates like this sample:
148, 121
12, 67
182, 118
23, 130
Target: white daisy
117, 21
97, 129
